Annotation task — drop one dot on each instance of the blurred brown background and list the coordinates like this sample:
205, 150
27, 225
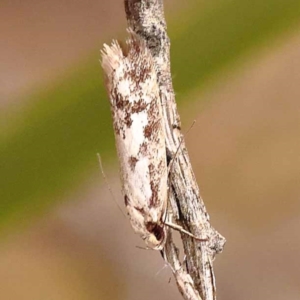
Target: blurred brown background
236, 69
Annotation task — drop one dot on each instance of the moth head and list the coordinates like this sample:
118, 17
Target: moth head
148, 224
157, 235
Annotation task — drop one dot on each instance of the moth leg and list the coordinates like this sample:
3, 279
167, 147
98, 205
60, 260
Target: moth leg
177, 150
182, 230
143, 248
108, 185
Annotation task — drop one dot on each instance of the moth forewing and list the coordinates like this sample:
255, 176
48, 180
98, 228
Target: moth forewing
139, 133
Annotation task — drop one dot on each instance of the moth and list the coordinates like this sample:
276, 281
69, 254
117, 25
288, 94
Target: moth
139, 133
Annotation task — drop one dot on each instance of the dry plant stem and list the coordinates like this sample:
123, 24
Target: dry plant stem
196, 279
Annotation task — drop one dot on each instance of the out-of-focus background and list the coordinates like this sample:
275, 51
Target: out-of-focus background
236, 69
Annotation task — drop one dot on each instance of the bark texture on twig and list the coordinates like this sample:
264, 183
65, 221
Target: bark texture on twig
195, 277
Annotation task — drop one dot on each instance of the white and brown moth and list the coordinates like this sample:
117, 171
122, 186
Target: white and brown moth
137, 120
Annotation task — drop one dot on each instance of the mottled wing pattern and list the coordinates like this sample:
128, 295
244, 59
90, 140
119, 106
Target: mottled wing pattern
139, 134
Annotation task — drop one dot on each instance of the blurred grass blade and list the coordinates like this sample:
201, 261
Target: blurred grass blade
53, 145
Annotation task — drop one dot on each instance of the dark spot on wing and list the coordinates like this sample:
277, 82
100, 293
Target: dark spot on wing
154, 200
138, 106
132, 162
141, 210
126, 200
143, 149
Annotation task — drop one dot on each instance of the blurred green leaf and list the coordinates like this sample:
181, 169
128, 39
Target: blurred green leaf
52, 146
223, 30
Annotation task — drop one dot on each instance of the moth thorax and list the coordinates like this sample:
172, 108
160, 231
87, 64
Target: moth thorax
156, 239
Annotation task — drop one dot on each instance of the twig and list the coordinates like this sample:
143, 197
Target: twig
196, 281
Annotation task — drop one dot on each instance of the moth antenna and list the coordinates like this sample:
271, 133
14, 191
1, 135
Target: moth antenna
160, 270
173, 159
172, 225
108, 185
143, 248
